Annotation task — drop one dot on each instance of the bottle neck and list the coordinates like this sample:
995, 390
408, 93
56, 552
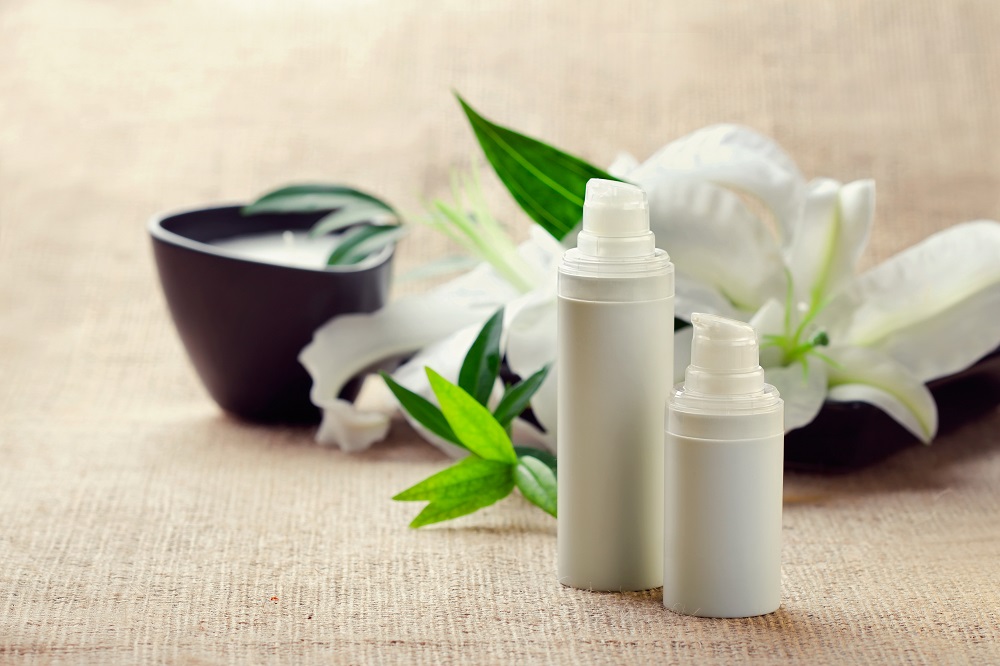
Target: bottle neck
723, 384
616, 247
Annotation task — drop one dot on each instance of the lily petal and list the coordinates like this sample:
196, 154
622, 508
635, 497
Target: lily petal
737, 158
769, 320
350, 428
541, 252
874, 377
933, 307
531, 344
830, 237
802, 391
715, 239
692, 295
349, 344
445, 357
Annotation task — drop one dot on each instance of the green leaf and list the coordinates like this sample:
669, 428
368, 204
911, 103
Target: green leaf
349, 215
472, 423
361, 242
422, 409
310, 198
463, 488
518, 396
537, 483
468, 477
436, 512
547, 183
545, 456
482, 362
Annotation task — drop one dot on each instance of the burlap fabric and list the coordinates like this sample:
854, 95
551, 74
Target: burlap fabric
139, 524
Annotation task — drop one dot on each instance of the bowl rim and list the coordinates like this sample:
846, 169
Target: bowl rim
156, 230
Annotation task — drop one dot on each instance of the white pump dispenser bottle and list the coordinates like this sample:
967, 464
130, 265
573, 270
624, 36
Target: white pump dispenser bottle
723, 479
615, 363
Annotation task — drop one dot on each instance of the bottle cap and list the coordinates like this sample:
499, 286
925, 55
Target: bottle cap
724, 357
615, 221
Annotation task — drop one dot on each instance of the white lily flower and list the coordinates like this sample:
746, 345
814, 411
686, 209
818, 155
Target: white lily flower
928, 312
925, 313
827, 334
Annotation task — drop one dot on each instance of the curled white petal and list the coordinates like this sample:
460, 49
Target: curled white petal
692, 295
830, 237
445, 357
738, 158
769, 319
873, 377
350, 344
802, 390
714, 239
934, 307
349, 428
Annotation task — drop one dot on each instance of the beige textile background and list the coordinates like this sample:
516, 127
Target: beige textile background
139, 524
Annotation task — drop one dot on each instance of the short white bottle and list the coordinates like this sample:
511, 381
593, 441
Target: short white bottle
723, 479
615, 364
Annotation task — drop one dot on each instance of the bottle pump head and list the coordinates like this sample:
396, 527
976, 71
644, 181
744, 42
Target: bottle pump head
724, 357
615, 221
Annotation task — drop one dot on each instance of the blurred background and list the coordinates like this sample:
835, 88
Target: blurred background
112, 111
142, 525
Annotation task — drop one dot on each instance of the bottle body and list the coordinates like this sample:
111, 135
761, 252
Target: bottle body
615, 364
722, 531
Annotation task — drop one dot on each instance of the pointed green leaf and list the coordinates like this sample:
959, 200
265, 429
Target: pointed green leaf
436, 512
468, 477
472, 423
349, 215
545, 456
537, 483
310, 198
546, 182
463, 488
482, 362
423, 410
361, 242
518, 396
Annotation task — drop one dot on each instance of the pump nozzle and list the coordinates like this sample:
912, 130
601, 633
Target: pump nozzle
615, 221
724, 357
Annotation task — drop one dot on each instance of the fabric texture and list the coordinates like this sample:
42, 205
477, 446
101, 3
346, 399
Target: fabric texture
142, 525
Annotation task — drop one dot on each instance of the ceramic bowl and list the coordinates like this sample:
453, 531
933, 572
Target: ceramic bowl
243, 322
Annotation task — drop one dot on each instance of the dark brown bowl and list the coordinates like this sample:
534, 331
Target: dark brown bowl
243, 322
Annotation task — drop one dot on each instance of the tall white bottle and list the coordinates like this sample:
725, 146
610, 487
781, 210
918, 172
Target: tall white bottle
615, 364
723, 472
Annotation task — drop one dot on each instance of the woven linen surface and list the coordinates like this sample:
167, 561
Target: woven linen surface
141, 525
